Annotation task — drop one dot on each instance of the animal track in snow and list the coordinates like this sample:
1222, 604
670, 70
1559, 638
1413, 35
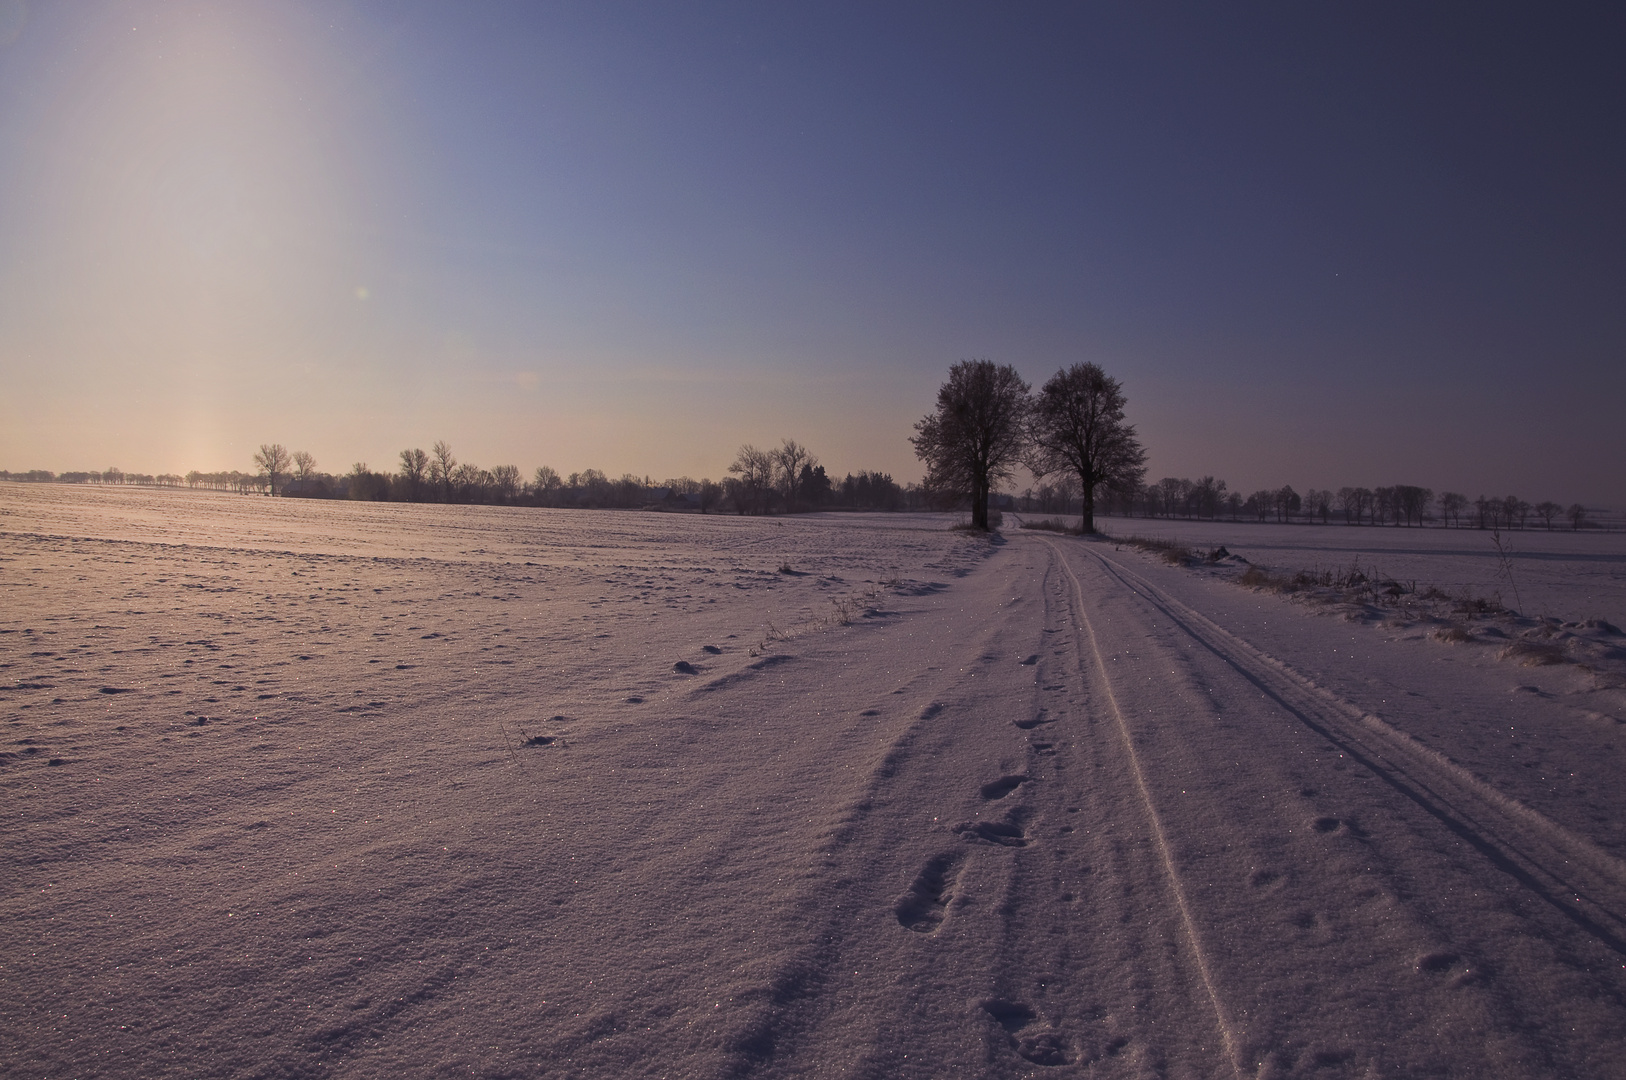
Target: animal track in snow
923, 907
998, 789
1028, 723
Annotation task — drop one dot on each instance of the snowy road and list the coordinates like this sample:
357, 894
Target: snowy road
1158, 850
1046, 809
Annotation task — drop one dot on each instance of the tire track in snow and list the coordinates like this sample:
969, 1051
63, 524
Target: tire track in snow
1194, 940
1573, 876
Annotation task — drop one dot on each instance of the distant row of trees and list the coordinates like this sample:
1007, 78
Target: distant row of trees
112, 475
788, 479
1399, 505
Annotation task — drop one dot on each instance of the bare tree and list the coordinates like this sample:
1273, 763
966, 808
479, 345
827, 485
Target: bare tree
1349, 501
977, 434
1287, 502
1209, 495
1078, 427
1547, 511
505, 482
1452, 505
1410, 502
466, 483
788, 462
304, 465
755, 471
1318, 504
1385, 506
414, 466
273, 459
546, 483
441, 466
1577, 516
1172, 495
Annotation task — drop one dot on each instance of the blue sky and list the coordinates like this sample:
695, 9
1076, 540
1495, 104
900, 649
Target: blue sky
1319, 244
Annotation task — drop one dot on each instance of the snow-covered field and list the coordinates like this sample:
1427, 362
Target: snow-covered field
319, 789
1570, 575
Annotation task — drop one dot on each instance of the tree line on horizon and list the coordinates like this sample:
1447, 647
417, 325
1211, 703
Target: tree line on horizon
1071, 436
1400, 505
787, 479
1171, 497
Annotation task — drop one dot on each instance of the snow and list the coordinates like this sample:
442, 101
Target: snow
362, 790
1569, 575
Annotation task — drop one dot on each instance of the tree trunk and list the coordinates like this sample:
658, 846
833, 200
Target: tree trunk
979, 504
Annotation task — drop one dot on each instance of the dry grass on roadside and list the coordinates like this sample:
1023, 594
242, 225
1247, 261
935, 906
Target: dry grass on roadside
1055, 525
1364, 594
1170, 551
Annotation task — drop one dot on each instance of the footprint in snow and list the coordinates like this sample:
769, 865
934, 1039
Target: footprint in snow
1032, 1039
1003, 833
998, 789
1442, 963
923, 907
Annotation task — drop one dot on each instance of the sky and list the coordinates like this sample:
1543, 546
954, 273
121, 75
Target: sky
1319, 244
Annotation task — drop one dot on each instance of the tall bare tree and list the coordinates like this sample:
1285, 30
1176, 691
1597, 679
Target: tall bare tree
545, 484
469, 483
755, 471
1210, 496
789, 460
414, 466
304, 465
273, 459
505, 482
1318, 504
978, 433
1077, 425
441, 466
